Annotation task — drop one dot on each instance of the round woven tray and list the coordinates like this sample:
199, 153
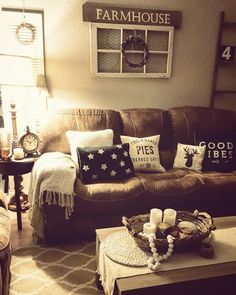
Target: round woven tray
202, 220
122, 248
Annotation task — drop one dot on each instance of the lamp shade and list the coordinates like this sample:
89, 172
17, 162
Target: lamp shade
42, 84
16, 70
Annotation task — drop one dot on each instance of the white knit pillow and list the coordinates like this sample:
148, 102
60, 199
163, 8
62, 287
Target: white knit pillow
84, 139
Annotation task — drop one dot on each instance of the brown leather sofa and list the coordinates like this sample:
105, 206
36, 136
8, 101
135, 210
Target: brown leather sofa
104, 204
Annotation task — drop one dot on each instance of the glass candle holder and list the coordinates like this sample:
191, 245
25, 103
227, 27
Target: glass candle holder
162, 229
5, 145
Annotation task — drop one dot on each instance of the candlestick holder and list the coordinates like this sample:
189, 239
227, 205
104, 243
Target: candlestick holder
162, 228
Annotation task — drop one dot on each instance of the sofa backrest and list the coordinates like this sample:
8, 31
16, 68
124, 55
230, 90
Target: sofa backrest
187, 121
176, 125
53, 133
145, 122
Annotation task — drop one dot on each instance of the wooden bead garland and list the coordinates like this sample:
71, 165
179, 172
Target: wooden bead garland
154, 261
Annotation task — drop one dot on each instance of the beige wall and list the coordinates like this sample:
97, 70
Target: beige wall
68, 61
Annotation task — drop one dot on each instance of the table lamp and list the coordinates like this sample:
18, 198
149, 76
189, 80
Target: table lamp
42, 86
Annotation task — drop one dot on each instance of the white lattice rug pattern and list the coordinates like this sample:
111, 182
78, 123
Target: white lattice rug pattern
62, 270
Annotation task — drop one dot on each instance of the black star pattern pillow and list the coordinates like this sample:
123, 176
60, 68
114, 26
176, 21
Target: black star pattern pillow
220, 153
106, 163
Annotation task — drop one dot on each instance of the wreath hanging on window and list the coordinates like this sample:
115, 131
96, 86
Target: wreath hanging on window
25, 33
131, 41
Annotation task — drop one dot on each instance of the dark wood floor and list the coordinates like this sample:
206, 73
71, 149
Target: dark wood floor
20, 238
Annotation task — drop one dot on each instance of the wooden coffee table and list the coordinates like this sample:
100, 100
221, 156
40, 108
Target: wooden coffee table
215, 279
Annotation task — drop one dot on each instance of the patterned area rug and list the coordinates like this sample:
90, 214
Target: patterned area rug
62, 270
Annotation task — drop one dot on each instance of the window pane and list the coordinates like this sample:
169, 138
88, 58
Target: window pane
157, 63
108, 62
108, 39
134, 58
157, 41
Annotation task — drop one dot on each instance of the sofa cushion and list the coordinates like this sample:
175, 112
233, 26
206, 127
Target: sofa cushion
144, 152
189, 157
176, 188
88, 139
107, 163
220, 152
111, 191
172, 183
218, 178
220, 191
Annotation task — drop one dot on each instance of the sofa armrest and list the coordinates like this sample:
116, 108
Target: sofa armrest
3, 200
5, 228
5, 250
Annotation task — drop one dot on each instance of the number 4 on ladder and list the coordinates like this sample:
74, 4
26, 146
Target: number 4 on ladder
227, 53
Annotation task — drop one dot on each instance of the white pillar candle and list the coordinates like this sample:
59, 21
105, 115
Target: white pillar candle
156, 216
169, 216
18, 153
149, 228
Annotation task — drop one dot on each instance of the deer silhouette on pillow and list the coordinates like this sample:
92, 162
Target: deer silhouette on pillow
189, 156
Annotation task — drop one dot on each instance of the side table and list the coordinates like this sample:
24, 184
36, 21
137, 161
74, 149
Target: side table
16, 168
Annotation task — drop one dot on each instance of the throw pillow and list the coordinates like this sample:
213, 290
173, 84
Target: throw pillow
88, 138
189, 157
220, 153
144, 153
107, 163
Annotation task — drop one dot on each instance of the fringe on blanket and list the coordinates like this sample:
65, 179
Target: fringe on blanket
60, 199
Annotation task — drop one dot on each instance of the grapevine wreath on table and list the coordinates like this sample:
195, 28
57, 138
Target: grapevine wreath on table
137, 41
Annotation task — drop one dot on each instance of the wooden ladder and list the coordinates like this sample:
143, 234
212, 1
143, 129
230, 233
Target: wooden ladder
222, 58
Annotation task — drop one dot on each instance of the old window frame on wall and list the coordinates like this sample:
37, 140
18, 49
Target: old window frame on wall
130, 42
154, 66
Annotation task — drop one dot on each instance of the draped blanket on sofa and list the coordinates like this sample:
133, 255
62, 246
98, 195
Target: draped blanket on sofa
52, 182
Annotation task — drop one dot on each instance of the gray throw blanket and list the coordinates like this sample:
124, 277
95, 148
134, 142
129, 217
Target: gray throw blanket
52, 182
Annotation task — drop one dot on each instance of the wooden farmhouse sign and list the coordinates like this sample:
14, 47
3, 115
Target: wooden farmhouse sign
93, 12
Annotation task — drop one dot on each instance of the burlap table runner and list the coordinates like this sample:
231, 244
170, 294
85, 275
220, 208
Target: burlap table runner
224, 241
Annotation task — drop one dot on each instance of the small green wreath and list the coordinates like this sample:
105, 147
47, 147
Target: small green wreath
135, 40
25, 33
